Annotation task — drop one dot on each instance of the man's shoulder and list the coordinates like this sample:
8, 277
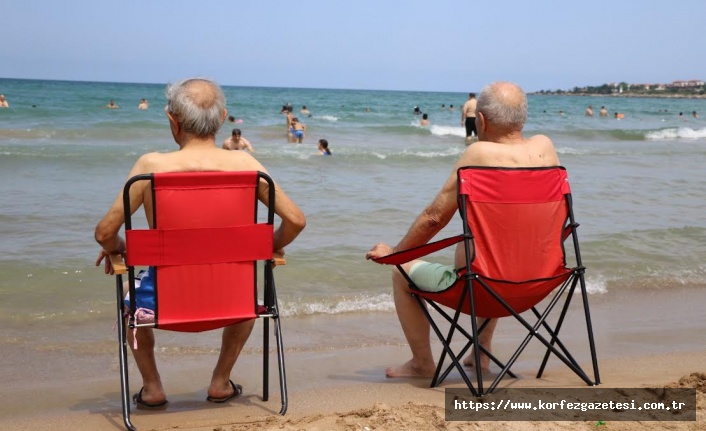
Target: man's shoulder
148, 161
541, 140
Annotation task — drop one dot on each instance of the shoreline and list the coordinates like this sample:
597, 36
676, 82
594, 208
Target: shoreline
335, 368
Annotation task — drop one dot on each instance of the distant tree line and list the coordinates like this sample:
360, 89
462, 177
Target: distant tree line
631, 89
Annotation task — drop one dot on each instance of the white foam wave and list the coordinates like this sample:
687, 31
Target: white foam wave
595, 285
448, 130
382, 302
451, 151
325, 117
569, 150
676, 133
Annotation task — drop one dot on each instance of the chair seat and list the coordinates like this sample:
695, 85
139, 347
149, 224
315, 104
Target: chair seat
516, 222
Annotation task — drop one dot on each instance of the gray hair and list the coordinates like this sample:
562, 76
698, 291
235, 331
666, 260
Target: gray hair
503, 104
199, 112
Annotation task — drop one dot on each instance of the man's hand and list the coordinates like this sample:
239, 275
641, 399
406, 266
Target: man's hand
379, 250
105, 254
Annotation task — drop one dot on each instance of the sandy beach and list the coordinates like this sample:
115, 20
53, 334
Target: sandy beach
338, 383
638, 187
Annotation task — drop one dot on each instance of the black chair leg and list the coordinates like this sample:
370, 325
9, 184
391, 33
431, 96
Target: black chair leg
122, 340
266, 359
280, 361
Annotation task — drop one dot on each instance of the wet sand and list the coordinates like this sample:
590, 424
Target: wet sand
335, 368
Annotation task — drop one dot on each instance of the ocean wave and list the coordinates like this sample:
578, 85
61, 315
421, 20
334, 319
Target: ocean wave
447, 131
572, 151
594, 135
652, 258
595, 285
325, 117
382, 302
356, 154
676, 133
418, 125
120, 133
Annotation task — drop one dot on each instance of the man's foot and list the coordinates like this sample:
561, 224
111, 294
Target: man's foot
142, 403
410, 369
235, 391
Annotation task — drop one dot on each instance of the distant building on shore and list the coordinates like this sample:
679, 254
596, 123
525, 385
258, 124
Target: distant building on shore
680, 88
687, 84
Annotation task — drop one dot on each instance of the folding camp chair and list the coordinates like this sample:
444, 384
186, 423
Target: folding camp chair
204, 246
515, 225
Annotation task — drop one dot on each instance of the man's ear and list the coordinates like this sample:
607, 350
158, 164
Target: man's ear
480, 118
172, 120
173, 123
224, 116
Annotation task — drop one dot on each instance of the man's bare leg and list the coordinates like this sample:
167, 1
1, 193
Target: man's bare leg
232, 342
415, 328
485, 338
152, 390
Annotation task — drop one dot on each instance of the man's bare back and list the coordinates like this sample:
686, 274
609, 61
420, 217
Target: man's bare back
197, 158
469, 108
536, 151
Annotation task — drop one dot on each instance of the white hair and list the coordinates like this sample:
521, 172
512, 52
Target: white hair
503, 104
197, 115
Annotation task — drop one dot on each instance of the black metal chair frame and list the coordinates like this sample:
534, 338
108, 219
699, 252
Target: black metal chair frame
270, 304
474, 281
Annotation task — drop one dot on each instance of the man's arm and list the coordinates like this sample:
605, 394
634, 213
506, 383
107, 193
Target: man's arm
292, 218
463, 114
247, 145
106, 232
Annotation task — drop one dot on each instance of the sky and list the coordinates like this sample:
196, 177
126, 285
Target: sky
413, 45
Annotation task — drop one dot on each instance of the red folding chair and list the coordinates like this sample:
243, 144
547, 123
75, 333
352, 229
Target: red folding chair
515, 225
205, 248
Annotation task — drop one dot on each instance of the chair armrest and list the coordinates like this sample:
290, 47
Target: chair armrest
278, 260
118, 263
405, 256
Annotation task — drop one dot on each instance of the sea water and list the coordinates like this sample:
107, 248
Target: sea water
638, 186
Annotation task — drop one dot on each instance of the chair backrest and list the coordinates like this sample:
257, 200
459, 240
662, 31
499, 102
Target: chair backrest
517, 217
204, 246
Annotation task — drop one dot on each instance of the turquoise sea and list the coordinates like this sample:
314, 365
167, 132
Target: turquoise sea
638, 187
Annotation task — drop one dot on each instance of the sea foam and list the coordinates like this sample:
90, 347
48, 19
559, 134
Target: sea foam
676, 133
382, 302
447, 130
325, 117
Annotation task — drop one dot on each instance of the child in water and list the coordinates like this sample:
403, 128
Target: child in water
323, 148
297, 130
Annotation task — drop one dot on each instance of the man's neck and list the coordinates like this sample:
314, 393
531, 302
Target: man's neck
503, 136
194, 142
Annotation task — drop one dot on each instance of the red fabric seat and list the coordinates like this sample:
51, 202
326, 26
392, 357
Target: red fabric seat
205, 246
515, 221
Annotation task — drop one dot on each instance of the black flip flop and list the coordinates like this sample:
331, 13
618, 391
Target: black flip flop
137, 399
237, 390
